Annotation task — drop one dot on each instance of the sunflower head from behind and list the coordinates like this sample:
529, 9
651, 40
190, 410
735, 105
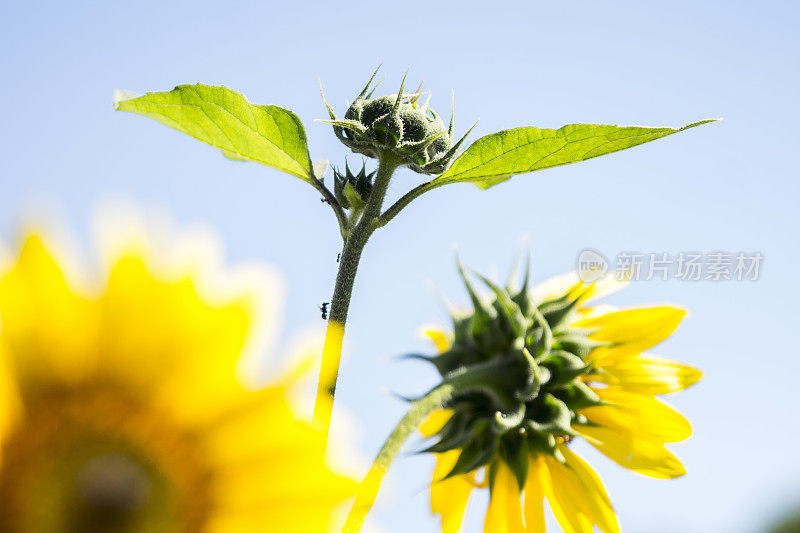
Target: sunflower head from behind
539, 368
121, 409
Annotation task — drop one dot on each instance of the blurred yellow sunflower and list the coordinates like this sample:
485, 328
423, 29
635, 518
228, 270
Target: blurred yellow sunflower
551, 369
121, 411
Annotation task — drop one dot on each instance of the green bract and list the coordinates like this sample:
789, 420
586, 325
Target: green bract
521, 364
352, 190
397, 124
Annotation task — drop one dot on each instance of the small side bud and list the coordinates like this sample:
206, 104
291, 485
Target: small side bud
352, 190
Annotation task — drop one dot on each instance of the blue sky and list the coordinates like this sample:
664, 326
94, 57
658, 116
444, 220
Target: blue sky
726, 186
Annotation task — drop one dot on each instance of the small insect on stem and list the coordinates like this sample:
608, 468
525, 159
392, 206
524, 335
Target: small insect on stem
324, 310
325, 201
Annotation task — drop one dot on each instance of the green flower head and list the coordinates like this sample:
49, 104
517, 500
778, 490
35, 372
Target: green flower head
527, 362
398, 124
529, 370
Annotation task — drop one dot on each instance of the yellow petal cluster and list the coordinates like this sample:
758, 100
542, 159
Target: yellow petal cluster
121, 410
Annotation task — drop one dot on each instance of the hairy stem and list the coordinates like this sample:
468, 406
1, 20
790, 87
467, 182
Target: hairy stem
459, 382
330, 199
406, 199
368, 489
354, 244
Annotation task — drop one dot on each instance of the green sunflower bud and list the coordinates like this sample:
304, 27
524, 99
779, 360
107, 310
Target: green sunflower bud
352, 191
398, 124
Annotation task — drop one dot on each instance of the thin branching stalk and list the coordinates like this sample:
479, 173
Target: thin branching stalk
368, 490
340, 303
330, 199
406, 199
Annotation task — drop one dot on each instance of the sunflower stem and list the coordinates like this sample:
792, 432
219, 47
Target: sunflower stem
354, 243
330, 199
458, 382
400, 204
369, 487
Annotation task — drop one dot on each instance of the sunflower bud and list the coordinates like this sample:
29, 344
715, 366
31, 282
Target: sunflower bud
352, 191
524, 366
397, 124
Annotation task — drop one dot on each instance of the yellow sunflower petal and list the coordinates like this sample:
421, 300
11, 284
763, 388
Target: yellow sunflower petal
534, 494
440, 337
636, 413
449, 497
10, 406
604, 287
570, 283
266, 459
647, 374
596, 311
435, 422
569, 515
586, 489
261, 422
554, 287
281, 479
505, 503
55, 350
632, 331
297, 517
160, 335
632, 452
198, 388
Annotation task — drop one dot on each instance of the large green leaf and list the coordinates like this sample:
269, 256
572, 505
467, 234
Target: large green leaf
223, 118
495, 158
